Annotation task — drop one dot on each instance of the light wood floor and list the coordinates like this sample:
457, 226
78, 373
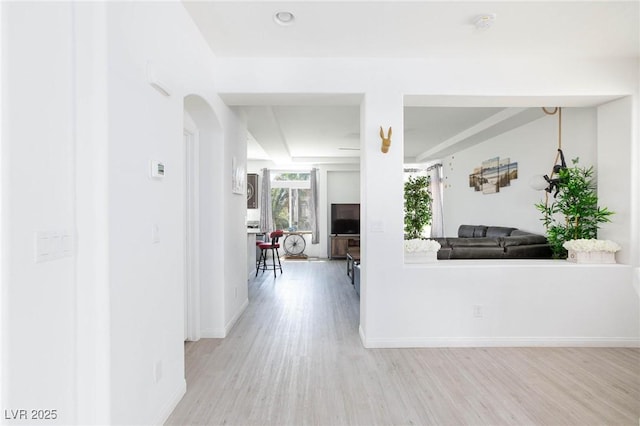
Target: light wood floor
295, 358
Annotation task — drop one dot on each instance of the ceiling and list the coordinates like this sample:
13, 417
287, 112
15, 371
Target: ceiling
416, 28
325, 128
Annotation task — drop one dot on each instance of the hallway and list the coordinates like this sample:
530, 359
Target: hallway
295, 357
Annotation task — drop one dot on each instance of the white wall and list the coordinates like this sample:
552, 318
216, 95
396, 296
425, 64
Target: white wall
342, 187
616, 175
543, 303
146, 278
533, 146
234, 226
99, 336
38, 309
211, 217
491, 80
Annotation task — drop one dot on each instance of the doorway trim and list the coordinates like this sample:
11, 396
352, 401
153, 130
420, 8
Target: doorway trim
192, 231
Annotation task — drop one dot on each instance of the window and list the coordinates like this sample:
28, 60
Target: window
290, 200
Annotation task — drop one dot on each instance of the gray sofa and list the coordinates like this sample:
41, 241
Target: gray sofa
493, 242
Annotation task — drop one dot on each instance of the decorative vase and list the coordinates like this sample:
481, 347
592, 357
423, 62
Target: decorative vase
420, 257
591, 256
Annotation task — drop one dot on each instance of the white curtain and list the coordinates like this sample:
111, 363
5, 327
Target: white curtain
315, 231
437, 218
266, 214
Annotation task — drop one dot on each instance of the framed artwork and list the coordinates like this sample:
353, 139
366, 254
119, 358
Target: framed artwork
252, 191
475, 179
490, 176
495, 173
237, 177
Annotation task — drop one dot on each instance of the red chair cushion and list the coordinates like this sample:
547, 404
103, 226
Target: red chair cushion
265, 246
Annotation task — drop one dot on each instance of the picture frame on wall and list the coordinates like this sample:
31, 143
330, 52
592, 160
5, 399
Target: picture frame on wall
494, 173
252, 191
237, 177
490, 183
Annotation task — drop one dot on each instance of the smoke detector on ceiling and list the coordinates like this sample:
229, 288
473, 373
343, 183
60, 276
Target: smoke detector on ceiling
483, 22
284, 18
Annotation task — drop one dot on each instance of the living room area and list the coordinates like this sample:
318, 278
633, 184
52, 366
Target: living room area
500, 289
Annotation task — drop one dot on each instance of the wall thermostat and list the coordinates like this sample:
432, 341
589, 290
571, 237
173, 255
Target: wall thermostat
157, 169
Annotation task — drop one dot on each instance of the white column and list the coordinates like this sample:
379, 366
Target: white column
93, 360
617, 186
381, 201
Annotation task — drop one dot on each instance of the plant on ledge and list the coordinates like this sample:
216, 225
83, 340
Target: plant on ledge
574, 213
418, 245
417, 206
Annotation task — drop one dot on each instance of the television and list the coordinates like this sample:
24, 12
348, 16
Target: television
345, 219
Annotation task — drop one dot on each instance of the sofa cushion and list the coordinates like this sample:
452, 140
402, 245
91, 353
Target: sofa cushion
517, 232
474, 242
472, 231
531, 251
444, 242
477, 253
444, 253
499, 231
523, 240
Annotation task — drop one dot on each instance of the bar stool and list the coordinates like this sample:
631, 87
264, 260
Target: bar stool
264, 247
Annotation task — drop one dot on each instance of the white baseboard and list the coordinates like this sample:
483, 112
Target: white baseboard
363, 339
171, 403
235, 318
212, 334
221, 334
481, 342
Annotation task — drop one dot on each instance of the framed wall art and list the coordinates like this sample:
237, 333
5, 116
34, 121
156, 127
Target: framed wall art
493, 174
238, 177
252, 191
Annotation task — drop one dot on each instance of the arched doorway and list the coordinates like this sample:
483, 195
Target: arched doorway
203, 218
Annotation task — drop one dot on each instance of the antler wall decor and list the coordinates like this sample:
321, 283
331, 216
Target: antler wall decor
386, 142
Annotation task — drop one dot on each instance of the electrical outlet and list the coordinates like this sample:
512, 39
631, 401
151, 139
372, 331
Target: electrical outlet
477, 311
155, 234
157, 371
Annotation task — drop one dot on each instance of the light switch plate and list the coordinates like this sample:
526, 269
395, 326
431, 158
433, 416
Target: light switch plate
155, 234
157, 169
52, 245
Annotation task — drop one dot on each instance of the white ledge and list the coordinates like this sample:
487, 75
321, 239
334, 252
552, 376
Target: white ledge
514, 263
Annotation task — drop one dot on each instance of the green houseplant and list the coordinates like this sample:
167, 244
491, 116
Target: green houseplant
574, 212
417, 206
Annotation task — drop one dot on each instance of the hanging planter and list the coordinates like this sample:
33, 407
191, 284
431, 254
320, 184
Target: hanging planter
574, 213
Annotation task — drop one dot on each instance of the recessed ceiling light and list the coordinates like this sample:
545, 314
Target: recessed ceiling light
482, 22
284, 18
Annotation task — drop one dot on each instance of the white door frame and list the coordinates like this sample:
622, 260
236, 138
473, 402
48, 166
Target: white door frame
192, 233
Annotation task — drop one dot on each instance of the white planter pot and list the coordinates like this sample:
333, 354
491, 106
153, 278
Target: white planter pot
591, 257
421, 257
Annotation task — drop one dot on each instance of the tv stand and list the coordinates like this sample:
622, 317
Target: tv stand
341, 243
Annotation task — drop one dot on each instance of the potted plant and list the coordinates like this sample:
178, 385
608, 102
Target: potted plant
591, 251
418, 250
417, 206
574, 213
